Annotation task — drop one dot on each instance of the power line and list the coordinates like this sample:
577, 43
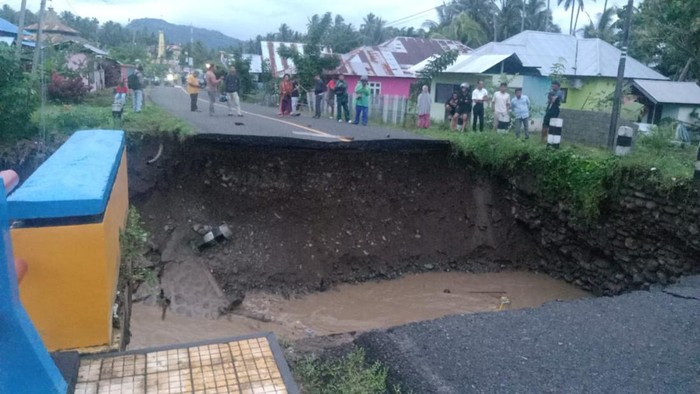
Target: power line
404, 19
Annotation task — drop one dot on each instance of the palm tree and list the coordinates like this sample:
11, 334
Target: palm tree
538, 17
463, 28
604, 29
573, 4
372, 29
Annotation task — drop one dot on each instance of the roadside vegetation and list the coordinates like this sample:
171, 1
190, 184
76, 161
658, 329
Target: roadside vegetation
96, 113
351, 374
582, 177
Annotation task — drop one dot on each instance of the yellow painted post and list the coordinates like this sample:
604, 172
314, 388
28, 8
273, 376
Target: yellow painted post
73, 260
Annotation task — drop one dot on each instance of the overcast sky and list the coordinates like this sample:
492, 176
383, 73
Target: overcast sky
245, 19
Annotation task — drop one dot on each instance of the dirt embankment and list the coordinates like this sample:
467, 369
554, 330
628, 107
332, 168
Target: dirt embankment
306, 219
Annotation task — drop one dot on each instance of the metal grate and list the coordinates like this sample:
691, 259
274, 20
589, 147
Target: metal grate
246, 365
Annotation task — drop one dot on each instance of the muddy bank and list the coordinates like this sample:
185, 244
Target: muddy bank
356, 308
305, 219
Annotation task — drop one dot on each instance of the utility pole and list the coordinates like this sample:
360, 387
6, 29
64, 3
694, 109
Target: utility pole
620, 77
20, 29
38, 48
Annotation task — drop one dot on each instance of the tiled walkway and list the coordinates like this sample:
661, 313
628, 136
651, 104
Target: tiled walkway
249, 365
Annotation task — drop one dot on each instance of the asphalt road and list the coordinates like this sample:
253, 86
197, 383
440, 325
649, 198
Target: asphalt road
641, 342
260, 121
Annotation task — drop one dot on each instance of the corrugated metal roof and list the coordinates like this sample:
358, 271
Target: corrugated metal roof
477, 64
7, 28
279, 65
53, 24
95, 50
669, 92
255, 62
580, 56
396, 57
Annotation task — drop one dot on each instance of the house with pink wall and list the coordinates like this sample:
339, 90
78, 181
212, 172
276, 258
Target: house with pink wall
388, 65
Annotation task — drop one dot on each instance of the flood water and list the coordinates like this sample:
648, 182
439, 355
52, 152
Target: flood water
359, 307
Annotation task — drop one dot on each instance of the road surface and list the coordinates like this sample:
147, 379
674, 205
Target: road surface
641, 342
260, 121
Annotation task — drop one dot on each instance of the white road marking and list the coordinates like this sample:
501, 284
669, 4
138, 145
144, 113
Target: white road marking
310, 131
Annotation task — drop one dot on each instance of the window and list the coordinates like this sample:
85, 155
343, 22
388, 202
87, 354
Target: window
443, 91
564, 94
375, 88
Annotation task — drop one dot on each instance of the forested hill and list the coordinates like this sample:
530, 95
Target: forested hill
180, 34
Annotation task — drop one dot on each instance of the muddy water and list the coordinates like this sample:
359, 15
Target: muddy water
357, 307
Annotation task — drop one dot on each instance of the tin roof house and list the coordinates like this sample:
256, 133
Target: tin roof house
589, 66
389, 65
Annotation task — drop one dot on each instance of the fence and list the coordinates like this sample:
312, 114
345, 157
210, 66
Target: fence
388, 109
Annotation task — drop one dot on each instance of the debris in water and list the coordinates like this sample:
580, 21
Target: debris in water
163, 302
505, 303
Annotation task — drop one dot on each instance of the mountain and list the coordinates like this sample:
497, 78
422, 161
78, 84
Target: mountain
180, 34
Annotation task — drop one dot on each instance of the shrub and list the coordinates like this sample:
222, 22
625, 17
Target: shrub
67, 118
348, 375
67, 90
17, 98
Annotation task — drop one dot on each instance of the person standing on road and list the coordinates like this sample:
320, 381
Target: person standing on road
479, 96
212, 88
319, 89
501, 109
520, 104
193, 89
330, 95
136, 84
232, 84
362, 93
554, 99
295, 97
425, 102
464, 107
341, 96
285, 96
451, 109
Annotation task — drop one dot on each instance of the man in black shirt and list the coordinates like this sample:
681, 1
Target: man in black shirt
232, 83
319, 88
464, 107
554, 99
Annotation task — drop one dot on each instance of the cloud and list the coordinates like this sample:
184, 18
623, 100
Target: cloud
245, 19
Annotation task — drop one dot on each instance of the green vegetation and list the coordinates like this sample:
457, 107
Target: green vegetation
133, 244
350, 374
17, 97
582, 177
96, 113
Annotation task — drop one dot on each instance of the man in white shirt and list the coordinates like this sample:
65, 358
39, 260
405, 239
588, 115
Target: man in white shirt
479, 96
501, 107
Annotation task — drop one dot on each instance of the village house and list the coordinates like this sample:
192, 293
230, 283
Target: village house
389, 65
526, 60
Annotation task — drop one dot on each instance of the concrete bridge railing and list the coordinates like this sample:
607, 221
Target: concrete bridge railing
66, 218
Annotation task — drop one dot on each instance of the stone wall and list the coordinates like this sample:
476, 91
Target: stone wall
641, 239
587, 127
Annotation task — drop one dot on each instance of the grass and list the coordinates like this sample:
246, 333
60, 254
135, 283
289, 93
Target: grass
350, 374
96, 113
583, 177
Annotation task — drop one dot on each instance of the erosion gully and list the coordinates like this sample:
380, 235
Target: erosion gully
326, 239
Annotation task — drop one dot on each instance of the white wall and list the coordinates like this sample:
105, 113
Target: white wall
680, 112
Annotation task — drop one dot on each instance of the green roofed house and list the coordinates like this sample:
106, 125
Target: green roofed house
587, 68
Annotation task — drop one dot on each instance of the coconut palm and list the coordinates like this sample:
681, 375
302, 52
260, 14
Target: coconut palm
604, 29
463, 28
373, 29
575, 5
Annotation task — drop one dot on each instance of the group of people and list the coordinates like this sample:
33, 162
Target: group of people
336, 95
231, 84
466, 103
